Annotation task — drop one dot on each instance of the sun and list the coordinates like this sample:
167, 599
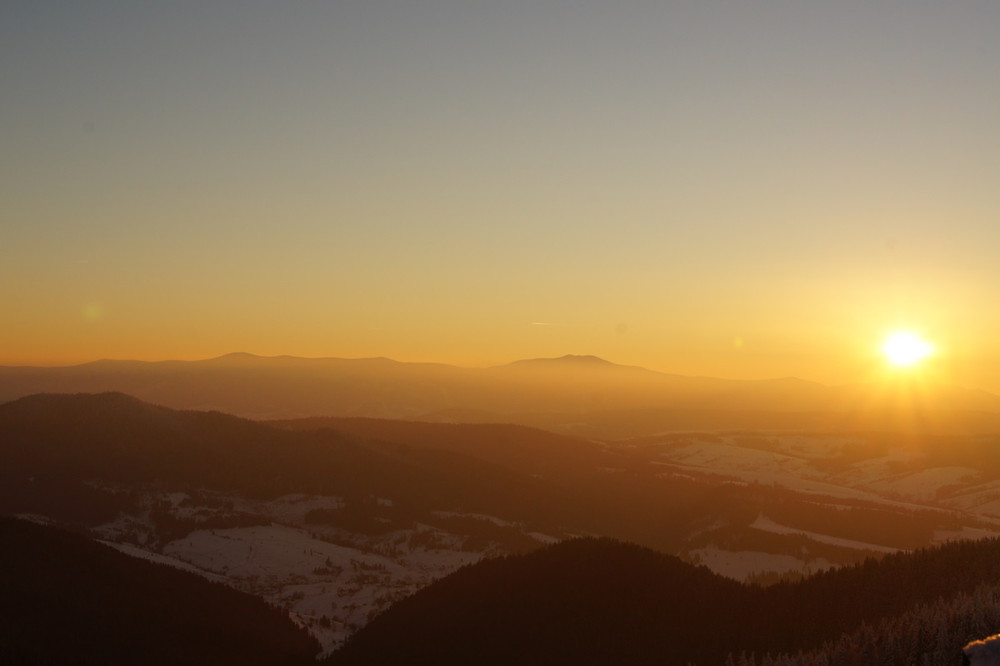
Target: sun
905, 349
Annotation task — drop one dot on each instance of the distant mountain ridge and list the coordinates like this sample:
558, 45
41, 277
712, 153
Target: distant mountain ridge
568, 394
571, 360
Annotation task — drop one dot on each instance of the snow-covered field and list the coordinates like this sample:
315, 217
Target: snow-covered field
841, 473
333, 589
763, 467
765, 524
331, 581
800, 463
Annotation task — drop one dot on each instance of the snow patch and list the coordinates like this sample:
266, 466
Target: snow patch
544, 538
765, 524
156, 558
499, 522
927, 484
743, 564
247, 552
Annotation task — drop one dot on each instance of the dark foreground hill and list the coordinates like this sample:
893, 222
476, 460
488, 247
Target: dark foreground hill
597, 601
68, 600
581, 602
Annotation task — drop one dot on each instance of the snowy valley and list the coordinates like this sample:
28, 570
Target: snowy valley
334, 521
330, 580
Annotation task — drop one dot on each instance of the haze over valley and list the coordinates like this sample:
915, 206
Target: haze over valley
583, 395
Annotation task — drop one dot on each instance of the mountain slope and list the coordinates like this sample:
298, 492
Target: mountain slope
68, 600
64, 443
529, 450
580, 602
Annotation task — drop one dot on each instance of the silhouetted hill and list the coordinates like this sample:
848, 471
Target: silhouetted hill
517, 447
53, 449
67, 600
590, 601
604, 602
570, 359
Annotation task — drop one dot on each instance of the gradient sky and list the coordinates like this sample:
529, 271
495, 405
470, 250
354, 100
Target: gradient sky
739, 189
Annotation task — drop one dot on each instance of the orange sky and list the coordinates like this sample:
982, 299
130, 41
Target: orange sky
713, 189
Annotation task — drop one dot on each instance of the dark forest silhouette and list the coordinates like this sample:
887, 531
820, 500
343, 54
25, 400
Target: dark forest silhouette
69, 600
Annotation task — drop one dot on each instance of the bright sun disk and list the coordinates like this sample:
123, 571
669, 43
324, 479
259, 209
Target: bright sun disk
904, 349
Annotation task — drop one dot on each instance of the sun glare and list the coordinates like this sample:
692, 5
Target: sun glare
905, 349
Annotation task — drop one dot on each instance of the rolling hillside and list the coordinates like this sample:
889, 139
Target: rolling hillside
578, 395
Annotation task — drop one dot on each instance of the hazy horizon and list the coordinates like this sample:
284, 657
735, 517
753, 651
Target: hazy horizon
716, 189
880, 372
